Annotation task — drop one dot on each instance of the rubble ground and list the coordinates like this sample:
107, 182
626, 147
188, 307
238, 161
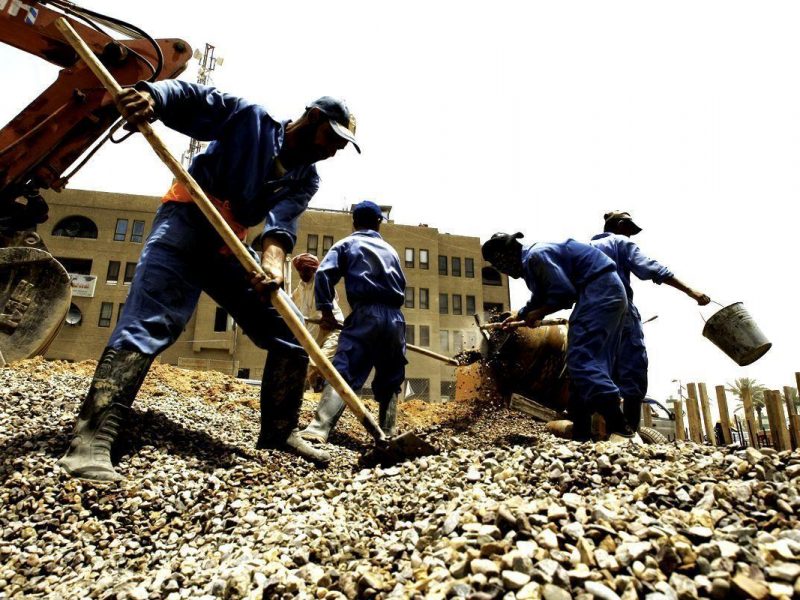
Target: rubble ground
505, 511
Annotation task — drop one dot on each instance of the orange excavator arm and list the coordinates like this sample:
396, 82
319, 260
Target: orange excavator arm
42, 141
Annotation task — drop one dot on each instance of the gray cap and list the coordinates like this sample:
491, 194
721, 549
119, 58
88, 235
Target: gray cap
342, 120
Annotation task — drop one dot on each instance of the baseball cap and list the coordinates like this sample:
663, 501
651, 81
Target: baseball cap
620, 215
369, 207
342, 120
496, 247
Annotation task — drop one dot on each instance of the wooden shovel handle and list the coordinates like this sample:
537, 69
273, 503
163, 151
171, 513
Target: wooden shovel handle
279, 299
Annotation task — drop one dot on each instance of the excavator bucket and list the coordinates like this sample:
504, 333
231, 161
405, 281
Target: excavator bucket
35, 296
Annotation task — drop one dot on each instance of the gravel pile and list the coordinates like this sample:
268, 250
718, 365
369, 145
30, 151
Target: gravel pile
505, 511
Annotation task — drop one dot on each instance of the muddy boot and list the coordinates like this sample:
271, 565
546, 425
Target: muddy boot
281, 398
387, 415
329, 411
116, 381
617, 427
632, 409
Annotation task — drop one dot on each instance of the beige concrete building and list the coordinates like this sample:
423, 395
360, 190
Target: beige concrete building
98, 237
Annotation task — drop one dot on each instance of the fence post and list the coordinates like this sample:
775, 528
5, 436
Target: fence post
777, 420
693, 413
794, 421
647, 415
680, 431
724, 416
712, 439
749, 418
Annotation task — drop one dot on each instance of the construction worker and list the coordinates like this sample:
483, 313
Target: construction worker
630, 372
374, 334
256, 169
560, 275
303, 297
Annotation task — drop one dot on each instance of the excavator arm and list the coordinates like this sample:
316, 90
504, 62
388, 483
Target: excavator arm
42, 141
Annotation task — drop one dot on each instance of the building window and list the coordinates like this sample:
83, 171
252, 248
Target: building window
444, 340
409, 297
458, 341
112, 275
442, 265
424, 298
312, 246
470, 305
469, 267
443, 304
137, 232
424, 335
447, 390
121, 231
243, 374
456, 304
327, 242
106, 308
119, 310
221, 320
76, 266
409, 334
76, 227
423, 259
456, 266
491, 276
410, 257
130, 269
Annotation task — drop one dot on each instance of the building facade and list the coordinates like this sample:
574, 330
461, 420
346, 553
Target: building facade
98, 236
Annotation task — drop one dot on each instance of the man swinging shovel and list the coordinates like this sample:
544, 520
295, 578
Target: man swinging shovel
253, 173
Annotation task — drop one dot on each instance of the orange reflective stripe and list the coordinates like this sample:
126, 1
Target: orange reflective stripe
178, 193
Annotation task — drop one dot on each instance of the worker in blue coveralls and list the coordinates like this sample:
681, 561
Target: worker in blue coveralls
560, 275
374, 334
256, 169
630, 372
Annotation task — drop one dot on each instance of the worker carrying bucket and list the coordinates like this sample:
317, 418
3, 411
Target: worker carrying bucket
630, 368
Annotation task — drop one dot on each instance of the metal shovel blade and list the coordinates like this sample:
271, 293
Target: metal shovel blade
397, 449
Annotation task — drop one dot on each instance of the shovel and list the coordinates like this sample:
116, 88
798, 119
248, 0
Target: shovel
387, 450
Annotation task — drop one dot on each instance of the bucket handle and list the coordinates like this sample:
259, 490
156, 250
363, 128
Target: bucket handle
712, 302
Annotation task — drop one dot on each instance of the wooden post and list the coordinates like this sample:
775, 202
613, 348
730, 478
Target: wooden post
706, 408
794, 422
749, 418
777, 424
647, 415
724, 417
773, 431
693, 413
680, 431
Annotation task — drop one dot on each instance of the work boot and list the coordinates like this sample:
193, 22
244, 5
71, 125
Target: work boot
387, 415
562, 428
281, 398
116, 381
617, 427
632, 409
329, 411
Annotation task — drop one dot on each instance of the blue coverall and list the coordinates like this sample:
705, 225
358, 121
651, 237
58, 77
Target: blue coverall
374, 333
631, 366
570, 272
183, 255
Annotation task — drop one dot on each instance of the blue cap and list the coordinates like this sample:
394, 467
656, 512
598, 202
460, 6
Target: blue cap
341, 119
369, 207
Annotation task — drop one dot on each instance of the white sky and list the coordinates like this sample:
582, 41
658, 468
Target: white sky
477, 117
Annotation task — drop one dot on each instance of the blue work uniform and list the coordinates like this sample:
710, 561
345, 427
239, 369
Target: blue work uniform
183, 254
566, 273
374, 333
631, 365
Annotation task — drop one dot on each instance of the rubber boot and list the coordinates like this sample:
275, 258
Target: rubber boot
116, 381
617, 426
281, 398
387, 415
329, 411
632, 409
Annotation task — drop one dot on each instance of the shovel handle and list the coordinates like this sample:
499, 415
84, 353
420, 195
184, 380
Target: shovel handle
279, 298
517, 324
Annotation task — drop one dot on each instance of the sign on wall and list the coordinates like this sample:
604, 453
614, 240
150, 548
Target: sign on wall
83, 285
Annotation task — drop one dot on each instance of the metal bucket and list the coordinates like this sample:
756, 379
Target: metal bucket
734, 331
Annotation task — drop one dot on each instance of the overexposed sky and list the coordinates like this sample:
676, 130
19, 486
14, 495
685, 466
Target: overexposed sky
478, 117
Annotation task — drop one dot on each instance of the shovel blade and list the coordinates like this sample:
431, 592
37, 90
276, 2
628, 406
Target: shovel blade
397, 449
